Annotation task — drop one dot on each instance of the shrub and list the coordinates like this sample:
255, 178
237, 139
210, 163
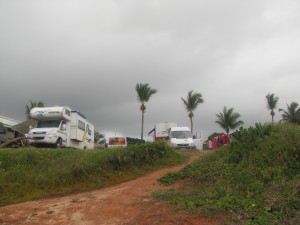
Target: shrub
255, 177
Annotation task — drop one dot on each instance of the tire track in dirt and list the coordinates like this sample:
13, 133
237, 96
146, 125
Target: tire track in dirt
127, 203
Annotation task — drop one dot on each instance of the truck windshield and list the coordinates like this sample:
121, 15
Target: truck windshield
49, 123
181, 134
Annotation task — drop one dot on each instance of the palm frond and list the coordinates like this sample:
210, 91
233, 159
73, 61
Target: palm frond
144, 92
272, 101
31, 106
292, 114
228, 120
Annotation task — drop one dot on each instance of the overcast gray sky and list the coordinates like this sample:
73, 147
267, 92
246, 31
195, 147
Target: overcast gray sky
89, 55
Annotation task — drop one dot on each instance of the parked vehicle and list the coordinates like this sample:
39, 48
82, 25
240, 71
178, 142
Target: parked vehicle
61, 127
161, 131
181, 137
123, 141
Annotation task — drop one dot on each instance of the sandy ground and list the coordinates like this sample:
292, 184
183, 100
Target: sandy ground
129, 203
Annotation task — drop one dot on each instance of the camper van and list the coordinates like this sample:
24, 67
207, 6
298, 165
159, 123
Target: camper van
61, 127
181, 137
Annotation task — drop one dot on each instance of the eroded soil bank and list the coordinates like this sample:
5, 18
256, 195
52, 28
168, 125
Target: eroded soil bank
128, 203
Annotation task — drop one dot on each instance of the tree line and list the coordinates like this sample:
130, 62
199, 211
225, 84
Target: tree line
228, 119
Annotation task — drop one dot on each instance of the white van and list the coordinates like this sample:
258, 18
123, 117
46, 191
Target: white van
181, 137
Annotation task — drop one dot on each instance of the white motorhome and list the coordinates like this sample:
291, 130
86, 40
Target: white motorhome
181, 137
61, 127
161, 131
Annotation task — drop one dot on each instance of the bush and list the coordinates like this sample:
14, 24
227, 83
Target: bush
255, 177
33, 173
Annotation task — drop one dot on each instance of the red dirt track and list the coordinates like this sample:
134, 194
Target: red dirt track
129, 203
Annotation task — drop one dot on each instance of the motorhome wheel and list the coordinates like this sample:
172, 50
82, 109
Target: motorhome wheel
58, 143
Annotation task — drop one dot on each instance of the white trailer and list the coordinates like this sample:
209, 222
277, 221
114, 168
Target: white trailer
161, 131
61, 127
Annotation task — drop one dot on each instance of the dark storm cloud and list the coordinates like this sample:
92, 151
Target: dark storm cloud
90, 54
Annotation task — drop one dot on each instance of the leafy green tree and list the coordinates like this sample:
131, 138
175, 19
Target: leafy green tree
191, 103
272, 101
292, 114
228, 120
32, 105
144, 92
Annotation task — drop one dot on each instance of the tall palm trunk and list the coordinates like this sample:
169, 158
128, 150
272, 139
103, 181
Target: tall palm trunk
142, 129
272, 114
192, 126
272, 101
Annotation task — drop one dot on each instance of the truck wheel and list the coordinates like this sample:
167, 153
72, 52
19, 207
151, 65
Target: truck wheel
58, 143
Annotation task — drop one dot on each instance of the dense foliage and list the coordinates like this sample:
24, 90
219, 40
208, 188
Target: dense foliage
33, 173
254, 180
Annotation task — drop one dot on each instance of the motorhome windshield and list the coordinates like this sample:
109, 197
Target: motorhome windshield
181, 134
49, 123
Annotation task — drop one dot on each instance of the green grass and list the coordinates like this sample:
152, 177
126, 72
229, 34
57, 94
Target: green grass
27, 174
254, 180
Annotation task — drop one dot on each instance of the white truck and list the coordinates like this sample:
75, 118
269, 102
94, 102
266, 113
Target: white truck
161, 131
178, 137
61, 127
181, 137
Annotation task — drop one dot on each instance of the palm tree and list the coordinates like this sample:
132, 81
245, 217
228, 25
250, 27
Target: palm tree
272, 101
32, 105
191, 103
292, 114
228, 120
144, 92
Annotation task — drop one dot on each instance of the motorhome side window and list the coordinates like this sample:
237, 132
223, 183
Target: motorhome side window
81, 125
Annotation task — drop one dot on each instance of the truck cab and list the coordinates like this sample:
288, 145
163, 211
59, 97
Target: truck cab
49, 132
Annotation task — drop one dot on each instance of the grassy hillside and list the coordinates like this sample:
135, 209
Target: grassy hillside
34, 173
254, 180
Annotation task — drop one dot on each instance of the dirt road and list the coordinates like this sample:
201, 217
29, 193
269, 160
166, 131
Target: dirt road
129, 203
